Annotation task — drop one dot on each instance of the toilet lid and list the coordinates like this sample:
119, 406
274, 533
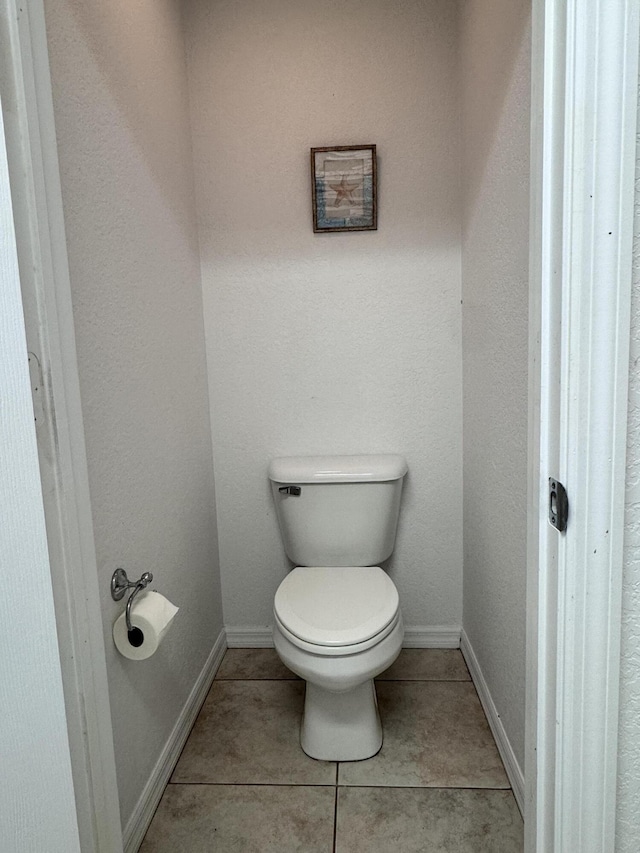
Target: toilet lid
336, 606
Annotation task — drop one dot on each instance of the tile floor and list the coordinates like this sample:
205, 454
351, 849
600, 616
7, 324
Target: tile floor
243, 784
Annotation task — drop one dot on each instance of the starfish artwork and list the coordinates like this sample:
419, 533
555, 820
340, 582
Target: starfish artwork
343, 188
344, 191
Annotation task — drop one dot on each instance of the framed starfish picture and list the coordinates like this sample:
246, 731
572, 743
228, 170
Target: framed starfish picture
343, 187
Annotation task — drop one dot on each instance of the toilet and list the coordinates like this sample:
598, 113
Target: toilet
337, 614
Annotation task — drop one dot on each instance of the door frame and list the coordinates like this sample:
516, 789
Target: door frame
576, 402
584, 105
34, 770
46, 293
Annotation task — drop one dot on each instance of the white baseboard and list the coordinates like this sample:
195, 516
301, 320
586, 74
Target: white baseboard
415, 637
431, 637
139, 821
511, 766
248, 637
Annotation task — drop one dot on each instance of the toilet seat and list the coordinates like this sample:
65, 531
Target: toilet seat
336, 610
337, 651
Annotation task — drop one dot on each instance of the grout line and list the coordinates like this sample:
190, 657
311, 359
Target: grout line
343, 785
335, 820
257, 679
377, 680
259, 784
426, 787
422, 680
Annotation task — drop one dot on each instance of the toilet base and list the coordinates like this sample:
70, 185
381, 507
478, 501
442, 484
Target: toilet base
341, 726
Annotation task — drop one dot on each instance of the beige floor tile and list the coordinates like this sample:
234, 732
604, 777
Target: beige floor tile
251, 664
242, 819
427, 665
414, 820
249, 732
435, 735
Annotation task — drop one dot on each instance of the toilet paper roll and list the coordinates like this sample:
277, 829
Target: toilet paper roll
152, 614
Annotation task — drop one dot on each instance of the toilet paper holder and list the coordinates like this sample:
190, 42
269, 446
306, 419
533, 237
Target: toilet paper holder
120, 583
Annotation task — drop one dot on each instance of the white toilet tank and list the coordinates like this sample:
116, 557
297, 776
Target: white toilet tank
338, 510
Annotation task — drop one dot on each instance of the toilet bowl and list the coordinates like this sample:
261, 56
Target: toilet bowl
337, 615
338, 628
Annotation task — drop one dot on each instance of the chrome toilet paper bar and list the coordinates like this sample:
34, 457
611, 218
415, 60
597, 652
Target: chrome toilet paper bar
120, 583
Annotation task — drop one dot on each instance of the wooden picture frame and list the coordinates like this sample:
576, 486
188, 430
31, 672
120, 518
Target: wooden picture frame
343, 188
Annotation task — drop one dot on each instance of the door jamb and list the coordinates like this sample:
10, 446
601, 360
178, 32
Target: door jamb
44, 273
585, 89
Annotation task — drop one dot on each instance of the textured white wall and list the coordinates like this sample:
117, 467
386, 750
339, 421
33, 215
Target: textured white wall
495, 56
330, 343
121, 111
628, 805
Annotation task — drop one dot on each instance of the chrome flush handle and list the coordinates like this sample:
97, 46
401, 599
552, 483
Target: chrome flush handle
290, 490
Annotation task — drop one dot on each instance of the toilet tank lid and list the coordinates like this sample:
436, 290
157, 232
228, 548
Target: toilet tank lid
371, 468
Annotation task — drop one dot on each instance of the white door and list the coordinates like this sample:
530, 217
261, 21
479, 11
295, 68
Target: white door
40, 246
36, 764
585, 97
